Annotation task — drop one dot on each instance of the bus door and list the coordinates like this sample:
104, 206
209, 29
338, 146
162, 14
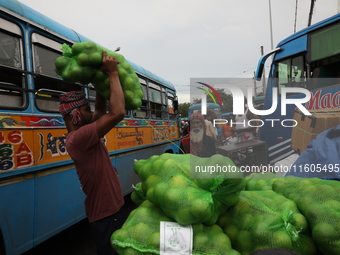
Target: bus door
277, 128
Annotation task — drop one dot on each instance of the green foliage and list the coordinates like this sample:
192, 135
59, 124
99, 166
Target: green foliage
227, 100
183, 109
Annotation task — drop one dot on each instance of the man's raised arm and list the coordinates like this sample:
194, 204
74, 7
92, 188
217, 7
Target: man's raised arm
116, 110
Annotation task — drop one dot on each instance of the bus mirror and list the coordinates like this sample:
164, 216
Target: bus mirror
262, 61
259, 71
175, 105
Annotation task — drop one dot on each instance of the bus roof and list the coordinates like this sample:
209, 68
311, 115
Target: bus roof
209, 106
30, 15
309, 29
226, 114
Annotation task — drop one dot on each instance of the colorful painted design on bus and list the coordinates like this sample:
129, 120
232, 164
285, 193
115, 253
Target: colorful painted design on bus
21, 148
321, 100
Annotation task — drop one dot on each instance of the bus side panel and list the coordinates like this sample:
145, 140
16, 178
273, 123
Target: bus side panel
17, 213
127, 137
169, 148
59, 202
125, 165
277, 134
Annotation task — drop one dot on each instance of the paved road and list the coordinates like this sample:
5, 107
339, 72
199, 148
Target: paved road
76, 240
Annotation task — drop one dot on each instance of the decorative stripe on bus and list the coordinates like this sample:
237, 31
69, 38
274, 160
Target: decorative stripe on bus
22, 148
277, 151
279, 144
282, 156
7, 121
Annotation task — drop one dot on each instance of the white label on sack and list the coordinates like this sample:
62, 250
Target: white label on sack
175, 238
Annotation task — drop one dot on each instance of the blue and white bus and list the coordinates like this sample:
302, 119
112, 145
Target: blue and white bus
40, 192
210, 106
308, 59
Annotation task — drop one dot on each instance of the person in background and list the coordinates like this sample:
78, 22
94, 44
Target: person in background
243, 130
323, 153
227, 129
197, 142
209, 119
186, 129
99, 179
210, 130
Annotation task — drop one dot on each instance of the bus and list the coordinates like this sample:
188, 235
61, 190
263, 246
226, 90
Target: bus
308, 59
39, 187
210, 106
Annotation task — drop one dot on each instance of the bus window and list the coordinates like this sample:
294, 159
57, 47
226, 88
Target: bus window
324, 43
92, 100
143, 112
171, 106
290, 72
155, 101
165, 114
325, 57
12, 79
297, 71
10, 53
282, 73
47, 84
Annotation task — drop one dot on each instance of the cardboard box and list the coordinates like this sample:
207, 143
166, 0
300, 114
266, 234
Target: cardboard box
308, 127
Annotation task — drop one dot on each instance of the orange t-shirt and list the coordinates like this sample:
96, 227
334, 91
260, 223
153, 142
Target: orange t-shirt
226, 131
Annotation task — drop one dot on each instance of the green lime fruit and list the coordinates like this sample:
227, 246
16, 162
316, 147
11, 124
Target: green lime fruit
245, 241
152, 181
95, 59
89, 46
122, 73
324, 232
82, 59
281, 239
201, 241
135, 104
128, 84
201, 209
141, 232
154, 240
220, 241
232, 231
300, 222
61, 63
179, 181
77, 48
128, 95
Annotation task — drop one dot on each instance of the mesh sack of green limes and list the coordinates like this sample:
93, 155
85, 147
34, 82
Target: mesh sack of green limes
140, 234
261, 181
265, 219
81, 63
319, 201
166, 181
137, 195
